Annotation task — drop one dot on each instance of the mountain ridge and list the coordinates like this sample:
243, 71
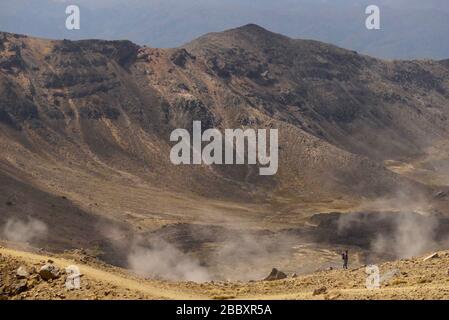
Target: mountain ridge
89, 122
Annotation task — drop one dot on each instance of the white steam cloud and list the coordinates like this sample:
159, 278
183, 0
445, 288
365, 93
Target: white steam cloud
16, 230
413, 235
406, 225
165, 261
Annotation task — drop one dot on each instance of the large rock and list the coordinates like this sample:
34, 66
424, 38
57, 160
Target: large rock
22, 273
49, 271
275, 275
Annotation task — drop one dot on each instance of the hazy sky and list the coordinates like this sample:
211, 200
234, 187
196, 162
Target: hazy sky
409, 28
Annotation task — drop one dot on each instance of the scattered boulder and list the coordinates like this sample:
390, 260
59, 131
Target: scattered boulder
22, 273
319, 291
49, 272
19, 287
432, 256
275, 275
293, 275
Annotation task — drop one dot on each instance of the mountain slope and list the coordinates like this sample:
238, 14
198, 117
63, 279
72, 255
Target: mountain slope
364, 105
90, 121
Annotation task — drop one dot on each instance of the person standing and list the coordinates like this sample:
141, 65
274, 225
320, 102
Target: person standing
345, 257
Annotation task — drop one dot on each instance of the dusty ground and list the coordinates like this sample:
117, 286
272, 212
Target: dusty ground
414, 278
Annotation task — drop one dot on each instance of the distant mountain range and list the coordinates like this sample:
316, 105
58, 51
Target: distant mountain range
409, 28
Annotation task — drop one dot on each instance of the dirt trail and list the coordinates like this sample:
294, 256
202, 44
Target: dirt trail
415, 278
119, 282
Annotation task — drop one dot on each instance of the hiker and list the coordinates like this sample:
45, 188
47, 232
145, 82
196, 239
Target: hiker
345, 257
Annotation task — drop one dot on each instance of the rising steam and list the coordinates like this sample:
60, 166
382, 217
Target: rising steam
16, 230
163, 260
403, 226
413, 235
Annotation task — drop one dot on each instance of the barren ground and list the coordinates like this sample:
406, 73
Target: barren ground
409, 279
